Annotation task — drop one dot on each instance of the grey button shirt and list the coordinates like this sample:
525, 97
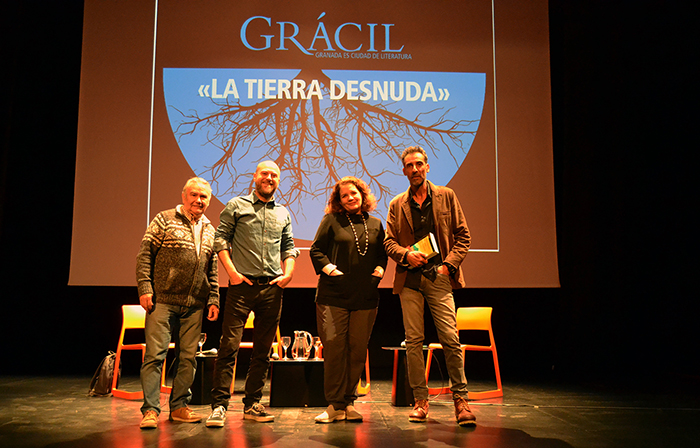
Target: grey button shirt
259, 235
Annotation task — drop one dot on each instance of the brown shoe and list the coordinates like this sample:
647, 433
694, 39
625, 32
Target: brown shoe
351, 414
420, 411
463, 414
185, 415
149, 420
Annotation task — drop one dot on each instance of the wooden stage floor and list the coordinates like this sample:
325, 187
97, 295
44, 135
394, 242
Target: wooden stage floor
55, 412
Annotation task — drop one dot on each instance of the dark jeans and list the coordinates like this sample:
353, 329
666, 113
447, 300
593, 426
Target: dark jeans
266, 302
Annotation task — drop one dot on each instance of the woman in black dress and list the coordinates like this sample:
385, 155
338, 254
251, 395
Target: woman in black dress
348, 254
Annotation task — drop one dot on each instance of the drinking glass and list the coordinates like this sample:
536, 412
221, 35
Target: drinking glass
202, 340
286, 342
317, 348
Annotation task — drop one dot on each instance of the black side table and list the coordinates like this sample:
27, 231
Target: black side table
401, 392
297, 384
203, 379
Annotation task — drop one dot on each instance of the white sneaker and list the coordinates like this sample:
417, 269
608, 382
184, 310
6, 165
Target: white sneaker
330, 415
217, 418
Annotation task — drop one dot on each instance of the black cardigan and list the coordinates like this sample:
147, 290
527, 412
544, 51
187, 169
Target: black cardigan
335, 244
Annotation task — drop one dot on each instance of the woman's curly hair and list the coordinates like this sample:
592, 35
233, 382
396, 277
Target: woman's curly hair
369, 202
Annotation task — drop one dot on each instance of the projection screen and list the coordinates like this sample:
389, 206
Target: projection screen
171, 89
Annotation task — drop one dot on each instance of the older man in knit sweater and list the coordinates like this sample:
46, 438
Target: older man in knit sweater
176, 271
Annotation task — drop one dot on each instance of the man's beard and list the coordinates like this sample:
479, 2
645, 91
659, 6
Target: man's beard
417, 182
263, 194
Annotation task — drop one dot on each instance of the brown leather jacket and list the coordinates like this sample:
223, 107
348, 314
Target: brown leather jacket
451, 233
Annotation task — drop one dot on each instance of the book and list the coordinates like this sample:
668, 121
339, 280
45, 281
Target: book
428, 246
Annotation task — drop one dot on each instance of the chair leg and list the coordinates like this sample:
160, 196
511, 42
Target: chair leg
499, 388
233, 377
364, 390
428, 364
118, 393
115, 374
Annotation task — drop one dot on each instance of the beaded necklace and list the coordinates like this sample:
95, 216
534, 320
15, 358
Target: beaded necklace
357, 240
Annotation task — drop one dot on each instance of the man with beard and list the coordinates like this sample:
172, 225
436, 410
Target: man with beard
420, 211
255, 244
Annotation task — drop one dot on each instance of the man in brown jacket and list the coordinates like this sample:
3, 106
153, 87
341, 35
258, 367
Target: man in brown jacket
422, 210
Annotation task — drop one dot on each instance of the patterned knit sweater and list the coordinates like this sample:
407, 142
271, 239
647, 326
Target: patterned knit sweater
168, 267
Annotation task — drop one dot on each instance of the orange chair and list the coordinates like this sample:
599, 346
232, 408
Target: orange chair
477, 318
364, 390
276, 344
134, 318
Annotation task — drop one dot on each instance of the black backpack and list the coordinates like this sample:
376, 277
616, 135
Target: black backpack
101, 382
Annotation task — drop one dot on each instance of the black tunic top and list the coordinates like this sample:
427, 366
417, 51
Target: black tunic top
335, 244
